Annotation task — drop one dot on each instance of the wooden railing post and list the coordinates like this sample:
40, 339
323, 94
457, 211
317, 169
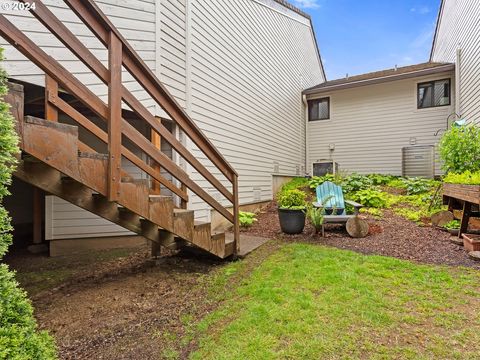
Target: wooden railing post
115, 116
51, 90
183, 203
236, 221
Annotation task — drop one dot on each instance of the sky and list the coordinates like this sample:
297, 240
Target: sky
359, 36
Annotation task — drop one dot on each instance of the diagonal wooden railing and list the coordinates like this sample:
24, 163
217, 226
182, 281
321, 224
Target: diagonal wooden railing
121, 54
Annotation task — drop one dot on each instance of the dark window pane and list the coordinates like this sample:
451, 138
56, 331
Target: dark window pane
425, 95
318, 109
442, 93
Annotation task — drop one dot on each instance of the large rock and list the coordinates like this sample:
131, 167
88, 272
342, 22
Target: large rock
441, 218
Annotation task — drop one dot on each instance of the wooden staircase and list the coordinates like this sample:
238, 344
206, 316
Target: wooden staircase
56, 161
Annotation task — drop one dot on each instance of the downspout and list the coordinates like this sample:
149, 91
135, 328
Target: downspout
305, 106
457, 81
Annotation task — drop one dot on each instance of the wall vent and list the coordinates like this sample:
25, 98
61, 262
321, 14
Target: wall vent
257, 194
276, 167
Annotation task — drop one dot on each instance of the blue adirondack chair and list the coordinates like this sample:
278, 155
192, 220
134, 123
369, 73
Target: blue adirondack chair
334, 205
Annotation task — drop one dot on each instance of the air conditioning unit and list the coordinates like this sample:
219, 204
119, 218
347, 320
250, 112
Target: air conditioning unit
321, 168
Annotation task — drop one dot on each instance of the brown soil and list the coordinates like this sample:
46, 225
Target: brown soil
391, 235
129, 307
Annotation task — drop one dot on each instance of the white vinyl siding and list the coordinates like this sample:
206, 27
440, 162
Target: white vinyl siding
64, 220
370, 125
237, 66
459, 27
249, 65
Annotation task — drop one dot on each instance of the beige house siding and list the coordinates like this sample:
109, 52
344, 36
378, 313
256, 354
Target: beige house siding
459, 28
369, 126
237, 66
250, 61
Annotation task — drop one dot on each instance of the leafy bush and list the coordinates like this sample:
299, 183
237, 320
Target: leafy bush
411, 214
319, 180
466, 177
460, 149
380, 179
356, 182
246, 218
370, 198
19, 337
292, 199
417, 185
295, 183
397, 182
315, 216
452, 225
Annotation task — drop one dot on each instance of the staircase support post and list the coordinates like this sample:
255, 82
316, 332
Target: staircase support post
115, 116
236, 222
51, 91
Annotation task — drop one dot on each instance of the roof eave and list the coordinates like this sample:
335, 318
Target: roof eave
353, 84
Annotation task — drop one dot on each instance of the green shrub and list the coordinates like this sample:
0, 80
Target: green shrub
452, 225
397, 182
292, 199
411, 214
246, 218
467, 178
356, 182
417, 185
295, 183
319, 180
19, 337
370, 198
460, 149
380, 179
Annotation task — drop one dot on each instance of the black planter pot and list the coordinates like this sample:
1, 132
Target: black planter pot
291, 221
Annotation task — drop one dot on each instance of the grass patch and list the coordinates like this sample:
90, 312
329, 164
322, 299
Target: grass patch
310, 302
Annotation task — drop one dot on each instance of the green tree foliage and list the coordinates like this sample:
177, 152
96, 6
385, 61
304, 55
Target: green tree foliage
460, 149
19, 337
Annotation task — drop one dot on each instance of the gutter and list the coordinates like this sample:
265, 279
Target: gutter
412, 74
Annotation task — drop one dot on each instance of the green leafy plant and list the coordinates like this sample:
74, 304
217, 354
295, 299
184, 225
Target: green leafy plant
378, 213
19, 336
319, 180
356, 182
246, 218
295, 183
396, 182
452, 225
370, 198
292, 199
467, 178
380, 179
416, 185
316, 216
460, 149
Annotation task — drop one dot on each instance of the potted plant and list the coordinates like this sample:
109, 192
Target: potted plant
291, 211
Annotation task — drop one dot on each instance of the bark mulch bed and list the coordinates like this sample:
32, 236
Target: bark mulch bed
391, 235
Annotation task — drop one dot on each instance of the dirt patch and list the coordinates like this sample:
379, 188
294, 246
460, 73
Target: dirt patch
392, 235
123, 305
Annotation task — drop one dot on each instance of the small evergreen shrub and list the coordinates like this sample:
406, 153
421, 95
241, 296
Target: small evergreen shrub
19, 337
292, 199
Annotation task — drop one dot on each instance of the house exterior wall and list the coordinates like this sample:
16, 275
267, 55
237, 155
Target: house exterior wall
250, 61
238, 67
459, 28
369, 126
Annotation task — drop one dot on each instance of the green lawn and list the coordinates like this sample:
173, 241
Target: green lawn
311, 302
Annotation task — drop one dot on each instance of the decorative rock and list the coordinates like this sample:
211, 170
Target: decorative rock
456, 240
475, 255
441, 218
357, 227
